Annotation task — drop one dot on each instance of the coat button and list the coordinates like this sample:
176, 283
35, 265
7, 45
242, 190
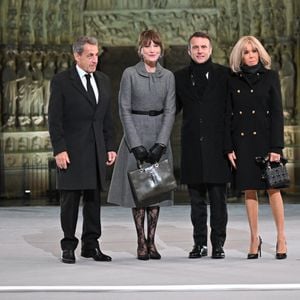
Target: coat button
253, 112
242, 133
251, 91
268, 112
238, 91
201, 120
254, 132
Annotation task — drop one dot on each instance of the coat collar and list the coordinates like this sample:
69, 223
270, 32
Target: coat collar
141, 69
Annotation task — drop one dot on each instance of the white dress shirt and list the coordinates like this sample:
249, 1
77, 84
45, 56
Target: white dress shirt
82, 74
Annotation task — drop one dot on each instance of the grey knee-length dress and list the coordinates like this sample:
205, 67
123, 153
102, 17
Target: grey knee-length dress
142, 91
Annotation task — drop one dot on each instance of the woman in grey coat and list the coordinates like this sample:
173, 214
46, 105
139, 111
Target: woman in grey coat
147, 112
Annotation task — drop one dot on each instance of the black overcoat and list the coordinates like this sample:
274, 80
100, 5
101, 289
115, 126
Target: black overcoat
82, 128
202, 132
254, 124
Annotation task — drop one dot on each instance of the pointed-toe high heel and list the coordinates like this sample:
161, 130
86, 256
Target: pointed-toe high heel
279, 255
255, 255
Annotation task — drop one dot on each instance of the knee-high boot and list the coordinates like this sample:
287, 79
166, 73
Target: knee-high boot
152, 218
139, 219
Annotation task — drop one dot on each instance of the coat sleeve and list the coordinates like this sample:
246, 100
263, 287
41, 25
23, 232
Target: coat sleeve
108, 128
169, 111
179, 104
55, 116
125, 106
228, 145
276, 111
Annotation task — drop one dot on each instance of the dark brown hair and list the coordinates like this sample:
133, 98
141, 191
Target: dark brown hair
199, 34
146, 37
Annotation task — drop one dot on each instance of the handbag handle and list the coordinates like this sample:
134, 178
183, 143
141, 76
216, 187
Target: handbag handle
282, 162
265, 162
139, 164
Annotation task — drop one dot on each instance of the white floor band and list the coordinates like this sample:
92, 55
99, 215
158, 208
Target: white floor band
154, 288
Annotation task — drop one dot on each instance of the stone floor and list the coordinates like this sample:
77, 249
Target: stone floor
30, 266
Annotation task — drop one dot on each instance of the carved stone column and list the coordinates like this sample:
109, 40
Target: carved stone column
292, 153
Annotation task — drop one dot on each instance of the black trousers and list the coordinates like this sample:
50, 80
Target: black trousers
91, 228
218, 213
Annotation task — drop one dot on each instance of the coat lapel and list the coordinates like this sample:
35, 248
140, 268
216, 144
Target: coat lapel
102, 89
77, 83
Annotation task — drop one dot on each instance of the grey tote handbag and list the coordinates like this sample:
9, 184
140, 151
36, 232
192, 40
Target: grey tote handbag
154, 180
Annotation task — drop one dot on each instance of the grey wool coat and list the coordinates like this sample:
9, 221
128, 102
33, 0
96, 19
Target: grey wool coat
142, 91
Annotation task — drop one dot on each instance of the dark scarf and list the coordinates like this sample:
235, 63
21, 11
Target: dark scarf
251, 69
198, 75
250, 72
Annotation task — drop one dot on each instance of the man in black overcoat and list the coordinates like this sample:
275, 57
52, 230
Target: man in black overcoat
81, 132
201, 90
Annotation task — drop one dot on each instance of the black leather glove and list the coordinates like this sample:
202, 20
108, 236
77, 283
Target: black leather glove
140, 153
156, 152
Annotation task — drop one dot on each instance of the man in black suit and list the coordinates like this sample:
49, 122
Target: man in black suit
201, 90
81, 132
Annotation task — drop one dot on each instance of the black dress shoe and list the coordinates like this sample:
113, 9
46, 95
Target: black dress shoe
198, 251
218, 252
68, 257
96, 254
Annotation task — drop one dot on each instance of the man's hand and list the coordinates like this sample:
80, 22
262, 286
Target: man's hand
111, 157
232, 158
62, 160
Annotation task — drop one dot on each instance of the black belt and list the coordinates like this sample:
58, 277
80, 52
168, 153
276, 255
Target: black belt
151, 113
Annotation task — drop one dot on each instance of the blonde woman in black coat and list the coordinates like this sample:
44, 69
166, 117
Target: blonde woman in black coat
254, 127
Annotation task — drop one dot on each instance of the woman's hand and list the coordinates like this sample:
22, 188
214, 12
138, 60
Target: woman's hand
232, 158
274, 157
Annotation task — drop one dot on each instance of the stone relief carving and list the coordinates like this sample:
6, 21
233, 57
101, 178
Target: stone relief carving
287, 80
24, 91
147, 4
32, 142
25, 81
9, 85
123, 28
38, 23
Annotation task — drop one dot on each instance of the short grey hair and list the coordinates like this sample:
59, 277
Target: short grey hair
81, 41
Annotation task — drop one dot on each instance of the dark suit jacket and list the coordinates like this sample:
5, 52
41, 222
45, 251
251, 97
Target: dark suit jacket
82, 128
202, 132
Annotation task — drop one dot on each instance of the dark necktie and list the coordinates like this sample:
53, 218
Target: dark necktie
89, 88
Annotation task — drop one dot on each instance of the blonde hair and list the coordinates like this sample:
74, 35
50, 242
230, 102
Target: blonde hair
236, 54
